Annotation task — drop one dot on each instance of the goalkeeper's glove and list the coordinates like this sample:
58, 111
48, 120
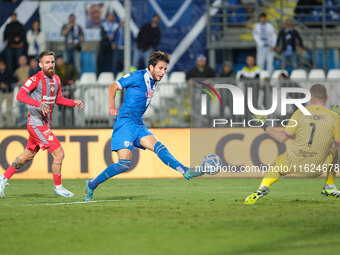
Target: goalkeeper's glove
261, 119
336, 109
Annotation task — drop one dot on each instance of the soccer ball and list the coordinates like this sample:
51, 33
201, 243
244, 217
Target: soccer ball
211, 164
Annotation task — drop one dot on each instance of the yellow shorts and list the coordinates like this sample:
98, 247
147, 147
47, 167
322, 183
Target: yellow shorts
281, 166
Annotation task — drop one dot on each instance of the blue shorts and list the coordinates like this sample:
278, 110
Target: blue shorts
126, 134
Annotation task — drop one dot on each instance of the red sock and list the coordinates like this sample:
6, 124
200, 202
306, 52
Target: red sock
9, 172
57, 179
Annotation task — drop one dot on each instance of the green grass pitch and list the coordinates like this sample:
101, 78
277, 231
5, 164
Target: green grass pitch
202, 216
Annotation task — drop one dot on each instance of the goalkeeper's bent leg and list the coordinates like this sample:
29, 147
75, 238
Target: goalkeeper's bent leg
270, 178
333, 158
274, 173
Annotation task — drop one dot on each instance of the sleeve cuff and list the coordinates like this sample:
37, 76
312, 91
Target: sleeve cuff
119, 86
287, 133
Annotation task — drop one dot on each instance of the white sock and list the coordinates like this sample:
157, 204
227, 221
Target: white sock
58, 186
180, 169
4, 178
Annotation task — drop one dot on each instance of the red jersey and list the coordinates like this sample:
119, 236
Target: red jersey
41, 89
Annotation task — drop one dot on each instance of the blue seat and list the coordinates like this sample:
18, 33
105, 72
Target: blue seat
88, 61
238, 15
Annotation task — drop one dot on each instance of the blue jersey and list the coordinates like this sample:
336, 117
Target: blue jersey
140, 88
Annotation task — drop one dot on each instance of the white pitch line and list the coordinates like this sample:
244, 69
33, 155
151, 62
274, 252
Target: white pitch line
87, 202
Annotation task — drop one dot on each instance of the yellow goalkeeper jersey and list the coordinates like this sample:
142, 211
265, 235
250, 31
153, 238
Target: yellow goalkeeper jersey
313, 135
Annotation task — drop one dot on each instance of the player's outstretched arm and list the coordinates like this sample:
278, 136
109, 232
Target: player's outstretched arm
60, 100
79, 104
277, 135
112, 90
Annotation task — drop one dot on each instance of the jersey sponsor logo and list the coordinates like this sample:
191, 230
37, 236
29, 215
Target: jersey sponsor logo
28, 83
149, 93
48, 98
126, 75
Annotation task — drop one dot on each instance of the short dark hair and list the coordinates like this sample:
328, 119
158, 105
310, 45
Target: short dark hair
319, 91
45, 53
157, 57
263, 15
284, 75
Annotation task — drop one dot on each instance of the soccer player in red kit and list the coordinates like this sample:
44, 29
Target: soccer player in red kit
41, 93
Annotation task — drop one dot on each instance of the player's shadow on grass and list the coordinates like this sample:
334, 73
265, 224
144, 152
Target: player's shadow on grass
35, 195
127, 198
271, 202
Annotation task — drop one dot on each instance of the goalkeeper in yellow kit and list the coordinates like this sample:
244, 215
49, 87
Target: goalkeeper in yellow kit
316, 141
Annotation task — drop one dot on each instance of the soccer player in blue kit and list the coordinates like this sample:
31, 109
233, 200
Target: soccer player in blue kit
129, 129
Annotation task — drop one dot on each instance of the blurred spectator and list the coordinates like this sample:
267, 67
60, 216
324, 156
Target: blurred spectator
304, 8
35, 40
94, 16
118, 54
227, 71
284, 81
265, 38
5, 92
22, 73
201, 70
286, 44
250, 71
34, 67
107, 43
14, 39
74, 37
147, 40
251, 75
67, 72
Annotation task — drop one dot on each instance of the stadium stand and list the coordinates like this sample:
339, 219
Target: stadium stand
333, 74
177, 77
87, 78
316, 74
105, 78
277, 73
298, 74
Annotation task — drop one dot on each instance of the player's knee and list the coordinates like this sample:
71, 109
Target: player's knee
124, 164
59, 156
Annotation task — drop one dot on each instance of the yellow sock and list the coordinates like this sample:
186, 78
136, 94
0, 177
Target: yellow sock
330, 180
269, 179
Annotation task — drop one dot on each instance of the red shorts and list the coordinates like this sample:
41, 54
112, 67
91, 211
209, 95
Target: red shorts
41, 137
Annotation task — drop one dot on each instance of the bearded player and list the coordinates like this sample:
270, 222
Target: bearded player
41, 92
316, 141
129, 129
